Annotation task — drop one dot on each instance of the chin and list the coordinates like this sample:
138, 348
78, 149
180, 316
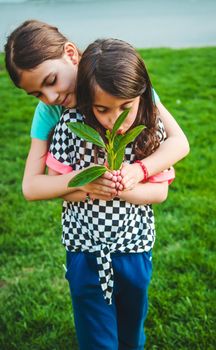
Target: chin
72, 105
73, 102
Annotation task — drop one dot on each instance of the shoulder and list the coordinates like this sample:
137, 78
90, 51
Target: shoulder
62, 129
50, 111
44, 120
71, 115
155, 97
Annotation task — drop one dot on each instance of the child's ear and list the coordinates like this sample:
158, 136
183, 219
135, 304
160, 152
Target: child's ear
71, 51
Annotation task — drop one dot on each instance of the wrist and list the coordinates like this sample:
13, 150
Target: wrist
139, 172
143, 171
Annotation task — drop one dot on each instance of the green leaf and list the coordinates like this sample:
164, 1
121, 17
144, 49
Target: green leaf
116, 142
119, 156
107, 135
87, 133
120, 143
87, 175
131, 135
119, 121
109, 160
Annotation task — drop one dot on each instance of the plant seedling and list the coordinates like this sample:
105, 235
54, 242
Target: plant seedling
114, 148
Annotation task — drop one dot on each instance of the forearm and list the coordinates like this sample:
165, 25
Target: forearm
173, 149
148, 193
80, 196
101, 188
36, 185
76, 196
170, 152
40, 187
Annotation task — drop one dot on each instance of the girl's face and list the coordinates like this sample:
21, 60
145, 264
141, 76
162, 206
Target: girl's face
53, 81
107, 109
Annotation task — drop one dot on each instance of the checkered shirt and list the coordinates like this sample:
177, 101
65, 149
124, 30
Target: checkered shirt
101, 227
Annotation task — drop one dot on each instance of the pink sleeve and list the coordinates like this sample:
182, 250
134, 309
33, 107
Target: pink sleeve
54, 164
166, 175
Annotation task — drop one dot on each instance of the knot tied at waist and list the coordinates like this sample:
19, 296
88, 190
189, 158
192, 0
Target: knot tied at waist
105, 270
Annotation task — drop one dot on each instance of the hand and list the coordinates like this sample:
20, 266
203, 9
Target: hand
103, 186
115, 179
131, 175
101, 197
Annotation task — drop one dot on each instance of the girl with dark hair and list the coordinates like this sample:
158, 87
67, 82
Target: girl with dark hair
44, 63
109, 243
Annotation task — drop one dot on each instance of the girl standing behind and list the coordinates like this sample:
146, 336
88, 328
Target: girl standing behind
44, 63
112, 240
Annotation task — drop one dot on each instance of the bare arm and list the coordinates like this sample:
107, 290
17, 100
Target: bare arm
148, 193
95, 188
36, 185
173, 149
77, 196
81, 196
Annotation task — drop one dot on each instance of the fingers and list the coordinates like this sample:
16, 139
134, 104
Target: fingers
105, 191
107, 175
129, 184
103, 196
114, 179
130, 176
108, 185
97, 187
105, 182
125, 179
125, 175
119, 186
123, 170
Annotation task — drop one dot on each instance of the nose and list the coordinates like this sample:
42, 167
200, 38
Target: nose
113, 117
51, 96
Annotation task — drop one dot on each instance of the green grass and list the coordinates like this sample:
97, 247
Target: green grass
35, 305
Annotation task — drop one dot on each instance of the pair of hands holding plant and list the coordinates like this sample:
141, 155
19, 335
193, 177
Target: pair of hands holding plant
112, 184
109, 180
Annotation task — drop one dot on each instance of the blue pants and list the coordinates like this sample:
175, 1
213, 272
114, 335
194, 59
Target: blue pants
119, 326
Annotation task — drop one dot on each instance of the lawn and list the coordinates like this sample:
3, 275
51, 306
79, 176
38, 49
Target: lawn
35, 306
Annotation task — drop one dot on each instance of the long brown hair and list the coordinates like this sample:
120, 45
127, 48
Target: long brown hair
29, 45
117, 68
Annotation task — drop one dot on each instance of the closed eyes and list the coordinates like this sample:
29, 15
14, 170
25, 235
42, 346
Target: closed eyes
52, 81
103, 110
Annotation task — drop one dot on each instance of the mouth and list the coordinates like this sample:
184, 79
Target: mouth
65, 102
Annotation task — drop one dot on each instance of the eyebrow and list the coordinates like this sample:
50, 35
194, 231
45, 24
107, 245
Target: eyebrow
43, 83
125, 103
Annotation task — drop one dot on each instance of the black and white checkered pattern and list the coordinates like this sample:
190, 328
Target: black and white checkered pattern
101, 227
